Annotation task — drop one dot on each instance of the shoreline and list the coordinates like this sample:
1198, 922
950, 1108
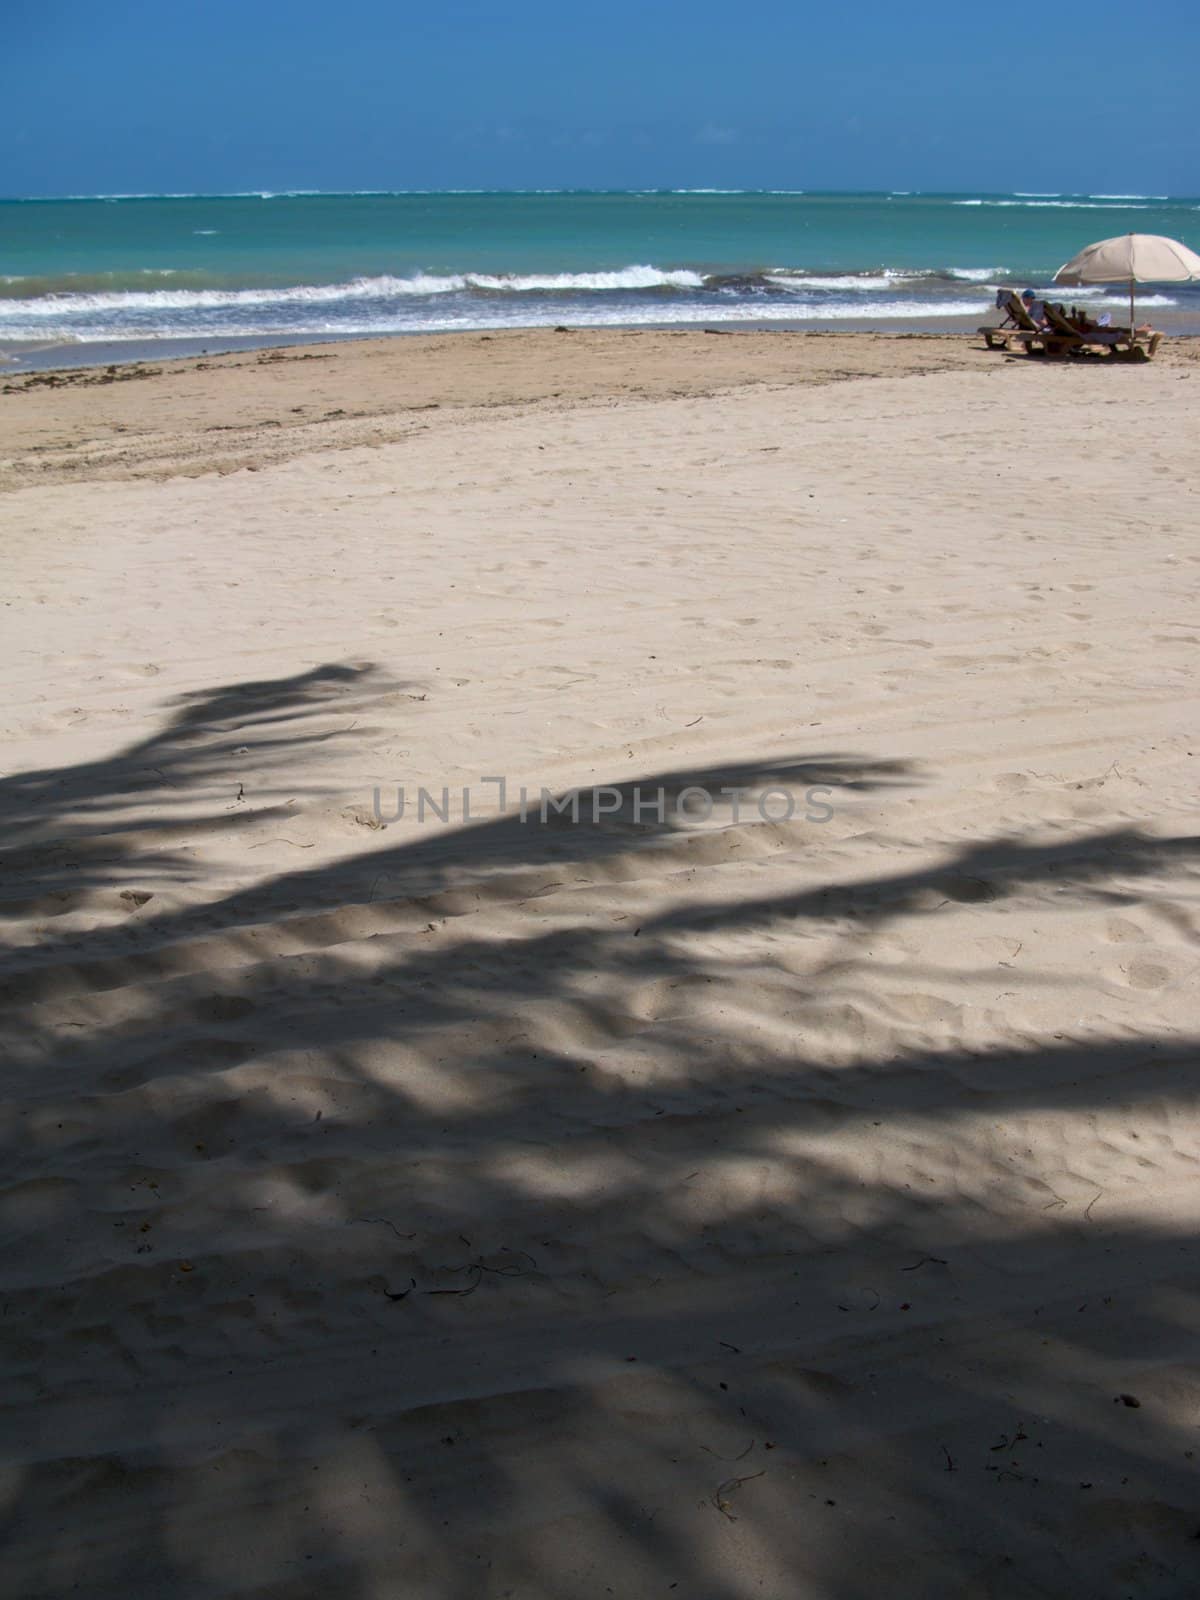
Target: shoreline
18, 357
24, 358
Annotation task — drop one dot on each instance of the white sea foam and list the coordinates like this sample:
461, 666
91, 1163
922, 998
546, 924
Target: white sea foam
469, 318
381, 288
976, 274
796, 279
1116, 295
1054, 205
624, 278
797, 282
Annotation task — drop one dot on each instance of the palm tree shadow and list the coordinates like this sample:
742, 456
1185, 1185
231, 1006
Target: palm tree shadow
503, 1211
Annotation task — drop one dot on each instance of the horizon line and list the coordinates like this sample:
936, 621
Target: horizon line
640, 190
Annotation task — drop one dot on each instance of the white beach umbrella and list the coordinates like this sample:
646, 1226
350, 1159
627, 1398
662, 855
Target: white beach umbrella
1132, 258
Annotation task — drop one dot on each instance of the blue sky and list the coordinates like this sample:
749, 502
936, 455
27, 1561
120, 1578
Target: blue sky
219, 95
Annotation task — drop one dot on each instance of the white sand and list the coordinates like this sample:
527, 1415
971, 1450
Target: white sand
817, 1187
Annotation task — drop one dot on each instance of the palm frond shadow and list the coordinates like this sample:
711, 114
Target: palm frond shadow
69, 831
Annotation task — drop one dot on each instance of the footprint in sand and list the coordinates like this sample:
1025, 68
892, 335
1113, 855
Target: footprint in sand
927, 1010
1120, 930
1143, 973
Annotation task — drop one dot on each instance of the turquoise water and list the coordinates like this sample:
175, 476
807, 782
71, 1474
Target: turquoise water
257, 266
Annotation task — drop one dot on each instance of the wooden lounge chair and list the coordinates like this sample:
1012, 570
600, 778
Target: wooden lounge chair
1124, 344
1017, 322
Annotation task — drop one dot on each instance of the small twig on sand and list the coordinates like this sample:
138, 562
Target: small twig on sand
469, 1290
479, 1267
741, 1455
385, 1223
727, 1488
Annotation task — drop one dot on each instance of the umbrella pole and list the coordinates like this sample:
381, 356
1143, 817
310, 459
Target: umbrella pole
1132, 324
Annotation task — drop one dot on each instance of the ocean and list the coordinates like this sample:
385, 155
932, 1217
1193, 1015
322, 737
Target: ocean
176, 272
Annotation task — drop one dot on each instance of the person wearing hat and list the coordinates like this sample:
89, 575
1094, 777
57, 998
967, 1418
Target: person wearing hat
1035, 307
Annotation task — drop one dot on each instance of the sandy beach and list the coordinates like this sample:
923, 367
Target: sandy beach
767, 1166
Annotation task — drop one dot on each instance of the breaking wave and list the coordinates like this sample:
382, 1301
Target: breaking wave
381, 288
176, 303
